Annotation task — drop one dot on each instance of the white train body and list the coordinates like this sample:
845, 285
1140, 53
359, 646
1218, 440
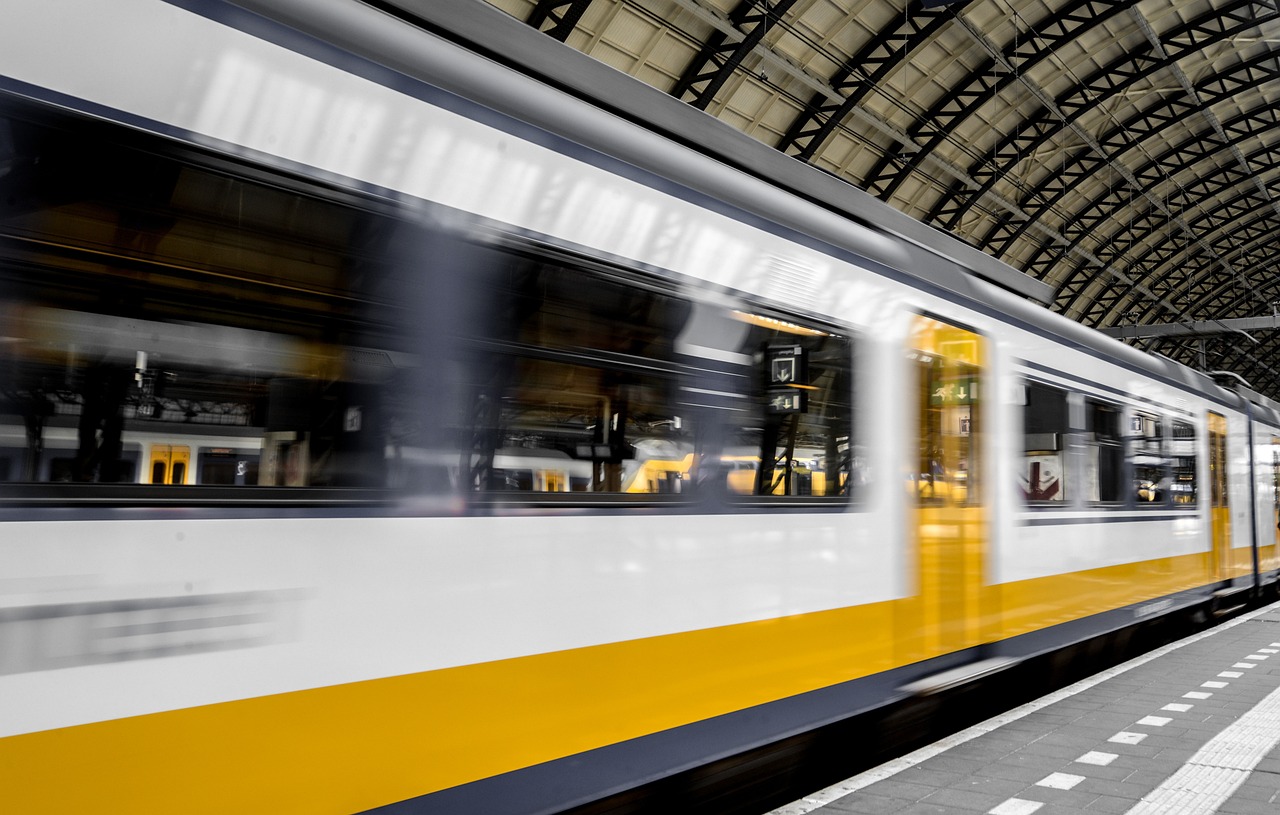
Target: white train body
324, 651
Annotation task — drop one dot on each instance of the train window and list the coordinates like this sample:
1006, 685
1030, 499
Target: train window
796, 439
1148, 459
155, 296
227, 466
1045, 426
1182, 457
575, 388
1104, 452
160, 303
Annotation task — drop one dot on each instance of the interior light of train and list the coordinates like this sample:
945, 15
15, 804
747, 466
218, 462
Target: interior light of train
778, 325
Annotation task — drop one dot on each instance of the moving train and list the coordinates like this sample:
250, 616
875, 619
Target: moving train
385, 428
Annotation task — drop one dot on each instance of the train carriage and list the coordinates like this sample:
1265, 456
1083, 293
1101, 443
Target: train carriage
385, 428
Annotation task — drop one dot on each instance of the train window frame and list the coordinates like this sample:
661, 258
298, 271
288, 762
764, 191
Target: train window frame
1048, 443
726, 394
1094, 446
1179, 486
771, 394
1147, 436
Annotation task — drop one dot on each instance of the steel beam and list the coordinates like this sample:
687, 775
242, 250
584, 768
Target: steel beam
1233, 325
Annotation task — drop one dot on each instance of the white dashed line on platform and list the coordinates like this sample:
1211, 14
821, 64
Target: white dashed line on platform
1016, 806
1060, 781
1210, 777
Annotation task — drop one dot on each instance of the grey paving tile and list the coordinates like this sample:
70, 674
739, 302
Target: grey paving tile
1257, 792
985, 753
1027, 774
1066, 750
929, 809
1112, 772
1116, 789
1002, 787
952, 763
965, 800
1235, 807
1059, 809
1110, 804
860, 803
930, 778
1270, 764
1077, 799
895, 788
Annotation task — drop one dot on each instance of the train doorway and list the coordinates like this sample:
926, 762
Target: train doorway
950, 522
169, 463
1219, 509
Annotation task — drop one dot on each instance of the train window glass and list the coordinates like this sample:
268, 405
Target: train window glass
1045, 426
1104, 452
1148, 459
1182, 456
1275, 486
577, 389
155, 297
796, 437
227, 466
149, 295
947, 365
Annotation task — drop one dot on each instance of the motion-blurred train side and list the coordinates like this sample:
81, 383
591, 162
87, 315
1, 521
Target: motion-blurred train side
385, 428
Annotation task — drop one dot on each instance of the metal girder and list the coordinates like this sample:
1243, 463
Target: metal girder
1231, 224
557, 18
1120, 198
859, 76
1220, 228
1225, 326
1001, 68
1204, 145
720, 56
1117, 76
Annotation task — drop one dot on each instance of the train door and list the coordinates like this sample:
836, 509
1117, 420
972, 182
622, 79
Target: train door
1219, 511
169, 463
950, 523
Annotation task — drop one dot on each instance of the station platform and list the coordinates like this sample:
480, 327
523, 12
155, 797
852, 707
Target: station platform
1191, 728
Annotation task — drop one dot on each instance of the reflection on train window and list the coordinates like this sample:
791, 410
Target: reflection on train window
1182, 457
1104, 452
172, 320
1275, 485
587, 393
1045, 427
796, 439
1148, 460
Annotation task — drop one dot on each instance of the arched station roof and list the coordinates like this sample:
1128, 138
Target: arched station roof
1122, 152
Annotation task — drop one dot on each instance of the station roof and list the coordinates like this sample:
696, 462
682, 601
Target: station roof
1123, 153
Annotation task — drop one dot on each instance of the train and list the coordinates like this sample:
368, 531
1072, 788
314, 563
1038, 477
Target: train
386, 427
